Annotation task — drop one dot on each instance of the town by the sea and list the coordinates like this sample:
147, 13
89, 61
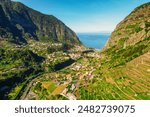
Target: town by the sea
94, 40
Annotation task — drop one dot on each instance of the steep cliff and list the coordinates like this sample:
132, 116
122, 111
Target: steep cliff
131, 37
19, 23
134, 28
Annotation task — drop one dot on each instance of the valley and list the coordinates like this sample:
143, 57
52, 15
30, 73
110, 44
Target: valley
43, 59
88, 76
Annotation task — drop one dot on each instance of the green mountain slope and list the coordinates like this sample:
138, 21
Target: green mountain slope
124, 71
134, 28
130, 39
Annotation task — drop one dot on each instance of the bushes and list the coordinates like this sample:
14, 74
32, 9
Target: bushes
50, 50
1, 52
119, 57
132, 50
65, 47
131, 26
147, 24
38, 87
122, 41
17, 66
136, 27
24, 57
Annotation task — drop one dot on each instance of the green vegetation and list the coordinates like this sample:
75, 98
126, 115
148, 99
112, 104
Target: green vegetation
135, 28
124, 55
122, 41
16, 66
32, 25
52, 65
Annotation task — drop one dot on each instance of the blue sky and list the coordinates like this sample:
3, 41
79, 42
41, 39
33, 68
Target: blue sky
86, 15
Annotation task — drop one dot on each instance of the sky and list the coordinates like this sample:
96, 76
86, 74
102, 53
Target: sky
86, 16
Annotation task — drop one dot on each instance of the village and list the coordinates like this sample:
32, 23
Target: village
67, 80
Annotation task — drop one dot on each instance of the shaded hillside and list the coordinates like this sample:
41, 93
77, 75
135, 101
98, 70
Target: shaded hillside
16, 65
19, 23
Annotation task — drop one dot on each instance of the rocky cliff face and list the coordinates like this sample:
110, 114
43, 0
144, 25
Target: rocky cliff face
19, 23
131, 38
134, 28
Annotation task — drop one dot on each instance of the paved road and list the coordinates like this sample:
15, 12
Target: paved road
24, 91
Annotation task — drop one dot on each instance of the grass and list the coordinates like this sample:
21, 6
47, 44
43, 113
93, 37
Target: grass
143, 96
135, 27
14, 93
59, 90
50, 86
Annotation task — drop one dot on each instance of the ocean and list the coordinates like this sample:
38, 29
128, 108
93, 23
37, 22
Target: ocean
94, 40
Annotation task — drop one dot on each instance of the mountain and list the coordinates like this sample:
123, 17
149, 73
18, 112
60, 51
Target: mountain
122, 72
134, 28
125, 62
31, 44
131, 38
19, 23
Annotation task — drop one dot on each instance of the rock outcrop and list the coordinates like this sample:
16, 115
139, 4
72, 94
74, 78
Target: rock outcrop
19, 23
134, 28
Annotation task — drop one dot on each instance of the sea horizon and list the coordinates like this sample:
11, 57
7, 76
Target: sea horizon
95, 33
94, 40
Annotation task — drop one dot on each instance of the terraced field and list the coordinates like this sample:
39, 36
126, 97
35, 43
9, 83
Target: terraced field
87, 79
